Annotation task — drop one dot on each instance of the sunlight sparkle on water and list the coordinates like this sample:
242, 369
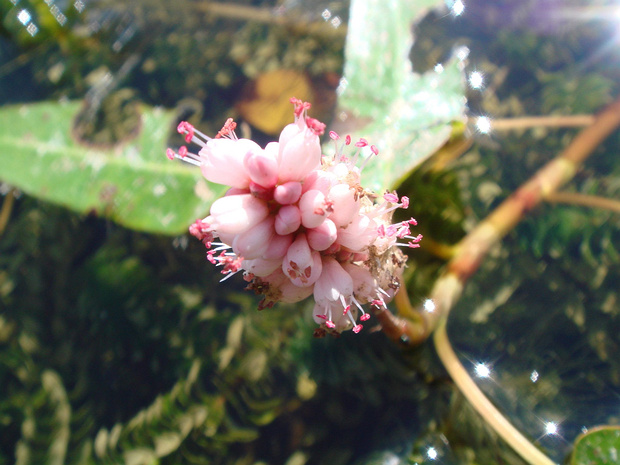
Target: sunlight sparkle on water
79, 6
457, 8
342, 85
431, 453
24, 16
462, 53
483, 124
476, 80
336, 21
482, 370
551, 428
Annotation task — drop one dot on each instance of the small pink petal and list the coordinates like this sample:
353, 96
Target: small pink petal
333, 283
299, 156
313, 208
323, 236
391, 197
278, 246
288, 220
222, 161
319, 180
261, 267
301, 264
364, 285
290, 293
287, 193
359, 234
261, 168
234, 214
345, 207
253, 243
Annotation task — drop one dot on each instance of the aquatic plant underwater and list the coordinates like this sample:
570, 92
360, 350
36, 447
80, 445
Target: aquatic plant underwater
120, 346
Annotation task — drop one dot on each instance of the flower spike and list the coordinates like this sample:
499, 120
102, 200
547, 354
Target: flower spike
300, 224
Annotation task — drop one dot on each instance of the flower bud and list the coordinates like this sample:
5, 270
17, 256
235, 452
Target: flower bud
287, 193
288, 220
234, 214
222, 161
301, 264
344, 205
261, 267
324, 235
333, 283
361, 232
278, 246
253, 243
313, 208
299, 156
262, 168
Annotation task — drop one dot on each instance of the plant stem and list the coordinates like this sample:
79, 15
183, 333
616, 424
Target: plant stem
527, 122
584, 200
7, 208
413, 325
483, 406
269, 16
439, 249
472, 249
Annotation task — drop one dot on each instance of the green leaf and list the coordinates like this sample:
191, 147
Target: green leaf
599, 446
408, 116
132, 183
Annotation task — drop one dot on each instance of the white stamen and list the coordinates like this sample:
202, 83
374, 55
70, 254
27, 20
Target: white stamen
204, 136
229, 275
187, 159
384, 293
365, 162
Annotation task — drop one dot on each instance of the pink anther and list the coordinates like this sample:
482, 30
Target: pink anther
315, 126
228, 128
391, 197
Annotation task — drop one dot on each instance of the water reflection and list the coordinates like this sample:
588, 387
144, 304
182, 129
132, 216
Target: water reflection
482, 370
476, 80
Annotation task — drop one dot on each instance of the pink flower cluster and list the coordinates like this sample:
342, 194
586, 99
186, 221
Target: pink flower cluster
298, 223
